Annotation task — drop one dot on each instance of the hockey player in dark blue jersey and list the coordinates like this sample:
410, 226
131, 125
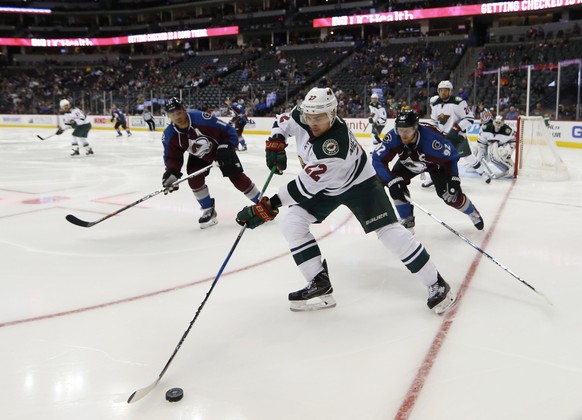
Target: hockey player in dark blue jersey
206, 139
420, 148
238, 120
118, 116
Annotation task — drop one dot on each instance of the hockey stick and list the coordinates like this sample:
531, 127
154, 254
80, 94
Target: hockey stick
76, 221
478, 249
52, 135
140, 393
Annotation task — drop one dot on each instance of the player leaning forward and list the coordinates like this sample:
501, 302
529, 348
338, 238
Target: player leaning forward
335, 171
77, 120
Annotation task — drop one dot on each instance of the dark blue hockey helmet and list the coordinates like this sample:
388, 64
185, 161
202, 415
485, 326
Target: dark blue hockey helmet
173, 104
406, 118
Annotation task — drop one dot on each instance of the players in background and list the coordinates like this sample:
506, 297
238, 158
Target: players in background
75, 118
377, 118
336, 171
206, 139
149, 119
496, 142
120, 121
452, 115
238, 121
420, 148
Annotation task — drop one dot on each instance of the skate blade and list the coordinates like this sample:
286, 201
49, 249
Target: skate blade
208, 224
446, 304
315, 304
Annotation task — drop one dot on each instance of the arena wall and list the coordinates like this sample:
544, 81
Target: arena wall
564, 133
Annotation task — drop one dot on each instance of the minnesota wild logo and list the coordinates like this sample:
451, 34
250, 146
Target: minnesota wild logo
442, 118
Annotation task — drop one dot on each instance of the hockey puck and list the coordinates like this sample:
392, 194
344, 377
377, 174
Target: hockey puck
174, 394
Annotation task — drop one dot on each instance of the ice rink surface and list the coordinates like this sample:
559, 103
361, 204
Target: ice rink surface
89, 315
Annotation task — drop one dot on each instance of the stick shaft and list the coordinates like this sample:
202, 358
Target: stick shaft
476, 247
137, 395
76, 221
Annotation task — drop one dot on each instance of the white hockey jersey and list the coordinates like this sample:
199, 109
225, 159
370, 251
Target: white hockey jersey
378, 113
74, 118
332, 163
446, 114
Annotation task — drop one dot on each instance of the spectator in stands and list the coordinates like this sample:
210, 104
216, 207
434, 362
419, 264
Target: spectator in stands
512, 114
462, 94
538, 110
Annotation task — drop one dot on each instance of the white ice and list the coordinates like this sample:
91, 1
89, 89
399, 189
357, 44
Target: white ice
89, 315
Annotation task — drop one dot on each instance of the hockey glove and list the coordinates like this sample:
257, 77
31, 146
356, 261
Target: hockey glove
169, 177
59, 131
275, 153
453, 190
371, 120
225, 155
257, 214
398, 190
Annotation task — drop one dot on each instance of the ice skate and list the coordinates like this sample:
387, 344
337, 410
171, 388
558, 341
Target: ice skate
75, 152
89, 151
409, 223
129, 134
476, 218
242, 147
440, 296
316, 295
208, 217
119, 135
427, 183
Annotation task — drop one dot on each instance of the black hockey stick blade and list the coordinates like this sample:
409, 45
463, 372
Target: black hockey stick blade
39, 137
76, 221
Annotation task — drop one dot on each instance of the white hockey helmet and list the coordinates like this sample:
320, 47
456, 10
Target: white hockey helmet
374, 96
445, 84
319, 101
498, 122
64, 103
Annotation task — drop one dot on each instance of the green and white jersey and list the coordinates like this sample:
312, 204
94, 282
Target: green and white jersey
332, 163
446, 114
75, 115
487, 134
378, 113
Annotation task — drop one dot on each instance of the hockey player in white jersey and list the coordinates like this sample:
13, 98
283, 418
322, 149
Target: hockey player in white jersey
377, 119
496, 142
336, 171
453, 116
75, 118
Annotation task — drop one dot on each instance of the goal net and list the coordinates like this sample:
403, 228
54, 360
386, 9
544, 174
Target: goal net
536, 154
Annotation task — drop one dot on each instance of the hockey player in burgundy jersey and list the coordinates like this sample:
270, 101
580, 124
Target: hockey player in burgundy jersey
206, 139
336, 171
420, 148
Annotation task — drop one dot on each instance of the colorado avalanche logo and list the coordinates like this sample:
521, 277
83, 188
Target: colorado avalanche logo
387, 138
417, 167
330, 147
437, 145
200, 146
